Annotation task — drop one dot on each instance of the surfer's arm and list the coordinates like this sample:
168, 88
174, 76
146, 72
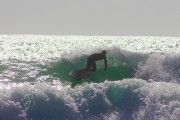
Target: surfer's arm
105, 62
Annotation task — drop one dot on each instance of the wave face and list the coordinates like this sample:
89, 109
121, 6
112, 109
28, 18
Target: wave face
141, 82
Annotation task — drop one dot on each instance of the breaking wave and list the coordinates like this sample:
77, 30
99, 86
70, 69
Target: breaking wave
35, 85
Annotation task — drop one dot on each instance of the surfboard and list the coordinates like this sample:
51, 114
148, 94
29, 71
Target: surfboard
79, 74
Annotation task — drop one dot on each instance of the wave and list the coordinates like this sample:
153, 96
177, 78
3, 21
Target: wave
160, 67
35, 85
126, 99
121, 64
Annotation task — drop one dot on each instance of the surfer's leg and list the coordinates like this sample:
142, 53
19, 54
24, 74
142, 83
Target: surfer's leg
93, 67
88, 65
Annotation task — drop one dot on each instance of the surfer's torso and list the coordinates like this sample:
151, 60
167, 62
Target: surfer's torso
96, 56
91, 61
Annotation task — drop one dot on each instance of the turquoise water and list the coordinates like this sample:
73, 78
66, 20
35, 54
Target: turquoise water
62, 68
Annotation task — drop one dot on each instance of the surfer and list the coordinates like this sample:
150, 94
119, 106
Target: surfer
90, 67
91, 60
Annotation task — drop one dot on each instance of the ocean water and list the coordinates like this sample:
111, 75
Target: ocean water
141, 81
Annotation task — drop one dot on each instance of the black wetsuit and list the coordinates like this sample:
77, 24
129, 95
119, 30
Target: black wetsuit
91, 61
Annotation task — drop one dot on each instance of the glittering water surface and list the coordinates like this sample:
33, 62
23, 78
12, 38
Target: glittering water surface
141, 82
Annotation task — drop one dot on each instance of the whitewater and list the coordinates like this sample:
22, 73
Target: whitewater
142, 81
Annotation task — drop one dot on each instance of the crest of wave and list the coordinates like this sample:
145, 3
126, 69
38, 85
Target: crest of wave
160, 67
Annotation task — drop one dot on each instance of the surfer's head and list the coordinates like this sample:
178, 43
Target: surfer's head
104, 52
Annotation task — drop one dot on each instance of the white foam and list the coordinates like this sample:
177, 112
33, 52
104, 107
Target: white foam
161, 99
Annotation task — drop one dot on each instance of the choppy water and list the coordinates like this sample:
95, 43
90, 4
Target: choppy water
142, 80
